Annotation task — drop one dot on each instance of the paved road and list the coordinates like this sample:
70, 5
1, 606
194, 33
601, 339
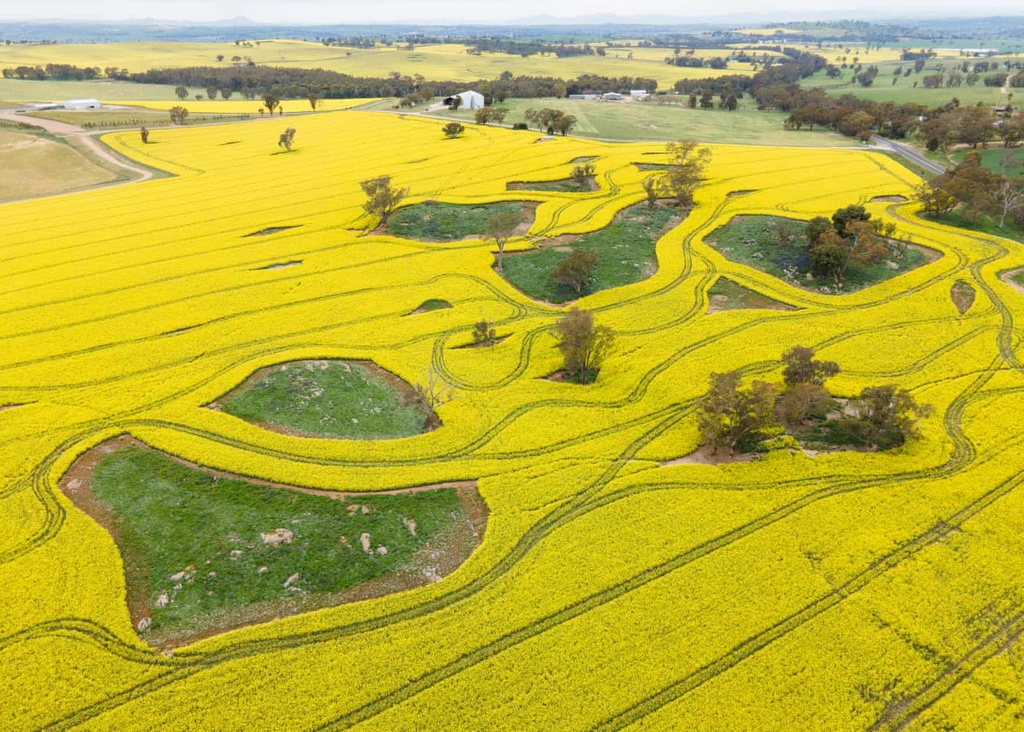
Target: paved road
63, 129
909, 153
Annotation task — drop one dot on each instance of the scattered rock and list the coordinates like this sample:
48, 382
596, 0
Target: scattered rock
364, 539
211, 574
365, 510
236, 552
891, 264
409, 524
382, 550
262, 569
163, 600
291, 580
178, 576
277, 537
144, 624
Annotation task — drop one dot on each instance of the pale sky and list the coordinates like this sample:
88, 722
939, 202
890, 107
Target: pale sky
397, 11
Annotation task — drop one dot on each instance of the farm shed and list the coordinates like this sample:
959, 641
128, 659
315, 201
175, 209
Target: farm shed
638, 93
582, 96
82, 104
470, 100
611, 96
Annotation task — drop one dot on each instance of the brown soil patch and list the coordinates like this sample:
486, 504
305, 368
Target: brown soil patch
888, 199
962, 294
272, 230
590, 184
704, 456
495, 342
405, 390
441, 555
648, 167
281, 265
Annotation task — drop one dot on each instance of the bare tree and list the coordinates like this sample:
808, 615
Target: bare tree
500, 227
1009, 197
584, 346
382, 198
434, 390
314, 100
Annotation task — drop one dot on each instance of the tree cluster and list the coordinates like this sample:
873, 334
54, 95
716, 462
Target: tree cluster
552, 121
743, 419
851, 237
975, 191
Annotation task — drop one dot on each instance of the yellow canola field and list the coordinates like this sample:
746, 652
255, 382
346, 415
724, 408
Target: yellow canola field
247, 106
439, 62
833, 592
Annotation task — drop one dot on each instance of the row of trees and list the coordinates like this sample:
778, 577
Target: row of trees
290, 83
743, 419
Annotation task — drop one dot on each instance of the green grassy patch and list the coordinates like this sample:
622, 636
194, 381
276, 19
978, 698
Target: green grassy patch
194, 540
329, 399
433, 304
445, 221
135, 117
728, 295
984, 224
567, 185
904, 91
993, 159
669, 118
625, 250
748, 240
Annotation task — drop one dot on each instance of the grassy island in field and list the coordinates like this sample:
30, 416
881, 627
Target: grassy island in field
625, 250
339, 399
749, 240
201, 549
433, 221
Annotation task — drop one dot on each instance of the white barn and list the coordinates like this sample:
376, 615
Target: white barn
471, 99
82, 104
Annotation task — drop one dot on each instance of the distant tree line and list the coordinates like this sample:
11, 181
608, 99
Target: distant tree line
288, 83
53, 72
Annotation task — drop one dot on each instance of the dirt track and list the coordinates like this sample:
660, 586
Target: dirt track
65, 130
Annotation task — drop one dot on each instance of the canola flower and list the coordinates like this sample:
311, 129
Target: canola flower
611, 590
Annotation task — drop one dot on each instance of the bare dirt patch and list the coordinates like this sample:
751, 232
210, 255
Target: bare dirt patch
889, 199
272, 230
704, 456
568, 185
962, 294
1007, 277
280, 265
